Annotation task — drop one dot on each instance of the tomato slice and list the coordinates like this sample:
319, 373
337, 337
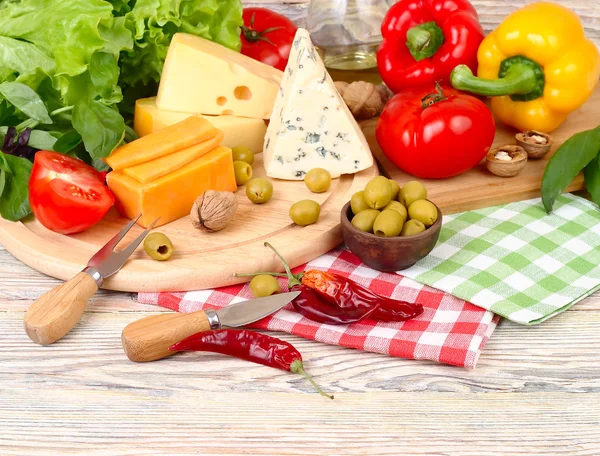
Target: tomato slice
67, 195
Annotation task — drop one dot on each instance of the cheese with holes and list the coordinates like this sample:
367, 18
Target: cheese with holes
238, 131
172, 196
200, 76
179, 136
311, 126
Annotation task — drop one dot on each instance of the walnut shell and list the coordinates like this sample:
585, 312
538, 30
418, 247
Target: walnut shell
504, 168
362, 98
535, 149
213, 210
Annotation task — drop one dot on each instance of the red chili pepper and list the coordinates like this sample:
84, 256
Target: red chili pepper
336, 300
352, 299
423, 40
251, 346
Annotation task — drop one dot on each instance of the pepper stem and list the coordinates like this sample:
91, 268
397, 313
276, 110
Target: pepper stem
298, 368
293, 279
424, 40
521, 78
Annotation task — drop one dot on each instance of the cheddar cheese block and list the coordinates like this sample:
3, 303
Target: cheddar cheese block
172, 196
189, 132
159, 167
200, 76
239, 131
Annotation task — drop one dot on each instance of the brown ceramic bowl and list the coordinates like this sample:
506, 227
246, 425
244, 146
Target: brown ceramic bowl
389, 253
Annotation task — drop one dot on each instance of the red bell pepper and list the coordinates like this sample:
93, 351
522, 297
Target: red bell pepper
423, 40
435, 135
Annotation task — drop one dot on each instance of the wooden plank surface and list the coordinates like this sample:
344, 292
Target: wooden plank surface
491, 12
535, 391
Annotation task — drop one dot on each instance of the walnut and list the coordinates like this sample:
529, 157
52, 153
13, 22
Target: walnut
506, 161
535, 143
213, 210
363, 98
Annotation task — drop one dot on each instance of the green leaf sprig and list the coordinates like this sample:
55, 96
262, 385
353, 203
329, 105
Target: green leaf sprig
579, 152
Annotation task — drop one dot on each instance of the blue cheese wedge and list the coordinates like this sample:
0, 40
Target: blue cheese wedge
311, 126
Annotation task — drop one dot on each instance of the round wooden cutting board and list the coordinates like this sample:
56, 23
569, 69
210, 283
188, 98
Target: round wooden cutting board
201, 260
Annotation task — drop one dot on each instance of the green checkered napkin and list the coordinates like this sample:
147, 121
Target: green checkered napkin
516, 260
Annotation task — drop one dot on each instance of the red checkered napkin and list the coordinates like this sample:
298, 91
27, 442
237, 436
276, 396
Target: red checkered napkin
450, 330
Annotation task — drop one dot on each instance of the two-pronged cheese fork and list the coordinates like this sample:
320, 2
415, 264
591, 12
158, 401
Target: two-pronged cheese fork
54, 314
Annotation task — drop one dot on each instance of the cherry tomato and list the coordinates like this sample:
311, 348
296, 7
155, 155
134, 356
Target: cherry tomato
66, 195
267, 36
434, 134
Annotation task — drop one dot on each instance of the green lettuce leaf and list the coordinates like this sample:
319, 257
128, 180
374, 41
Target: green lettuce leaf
14, 200
154, 22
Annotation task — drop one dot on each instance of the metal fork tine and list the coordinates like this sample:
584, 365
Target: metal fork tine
105, 251
126, 252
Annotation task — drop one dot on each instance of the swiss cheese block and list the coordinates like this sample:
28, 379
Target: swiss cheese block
311, 126
179, 136
172, 196
239, 131
159, 167
200, 76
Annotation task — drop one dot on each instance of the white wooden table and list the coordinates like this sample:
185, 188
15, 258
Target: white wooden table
535, 391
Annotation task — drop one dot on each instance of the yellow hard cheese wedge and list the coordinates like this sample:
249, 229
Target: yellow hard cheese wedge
172, 196
189, 132
239, 131
159, 167
200, 76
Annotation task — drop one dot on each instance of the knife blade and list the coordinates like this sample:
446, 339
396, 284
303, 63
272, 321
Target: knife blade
246, 312
149, 339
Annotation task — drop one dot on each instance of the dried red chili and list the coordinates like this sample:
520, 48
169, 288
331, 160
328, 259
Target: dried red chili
334, 299
250, 346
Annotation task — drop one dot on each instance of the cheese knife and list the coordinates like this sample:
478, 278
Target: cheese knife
56, 312
149, 339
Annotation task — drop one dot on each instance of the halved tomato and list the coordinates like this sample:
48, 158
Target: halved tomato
67, 195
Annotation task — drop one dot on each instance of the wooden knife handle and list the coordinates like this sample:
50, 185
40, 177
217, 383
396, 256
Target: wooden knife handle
149, 339
56, 312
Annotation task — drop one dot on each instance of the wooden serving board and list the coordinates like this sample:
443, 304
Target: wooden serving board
207, 260
478, 187
201, 260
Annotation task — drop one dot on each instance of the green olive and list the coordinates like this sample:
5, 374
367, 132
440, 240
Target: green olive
259, 190
264, 285
243, 172
305, 212
241, 153
378, 192
158, 246
358, 203
424, 211
412, 227
395, 205
395, 189
364, 220
411, 192
318, 180
389, 223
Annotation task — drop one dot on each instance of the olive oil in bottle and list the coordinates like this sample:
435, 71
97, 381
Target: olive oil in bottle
347, 34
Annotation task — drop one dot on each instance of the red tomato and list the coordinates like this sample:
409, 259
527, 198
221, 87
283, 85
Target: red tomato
67, 195
267, 36
449, 136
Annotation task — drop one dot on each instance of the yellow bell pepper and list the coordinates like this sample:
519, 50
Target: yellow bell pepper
537, 65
